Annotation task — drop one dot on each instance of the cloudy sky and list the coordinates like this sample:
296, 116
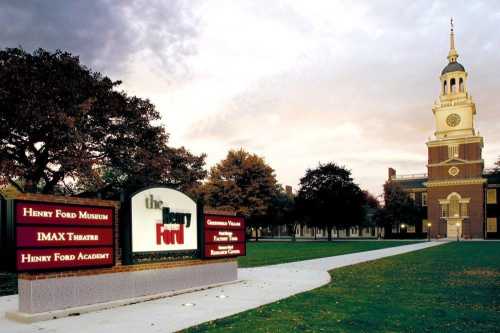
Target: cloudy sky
297, 82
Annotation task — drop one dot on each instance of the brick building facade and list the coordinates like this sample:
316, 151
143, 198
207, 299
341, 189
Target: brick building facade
460, 197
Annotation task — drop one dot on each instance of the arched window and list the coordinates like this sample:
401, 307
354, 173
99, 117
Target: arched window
461, 85
444, 87
454, 206
453, 86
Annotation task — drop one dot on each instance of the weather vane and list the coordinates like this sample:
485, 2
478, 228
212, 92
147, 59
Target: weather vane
451, 23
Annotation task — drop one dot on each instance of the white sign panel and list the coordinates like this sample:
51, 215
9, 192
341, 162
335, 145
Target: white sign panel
163, 220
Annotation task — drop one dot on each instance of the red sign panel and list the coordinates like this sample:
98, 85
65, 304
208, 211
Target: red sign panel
224, 222
30, 259
224, 236
63, 236
58, 214
58, 236
224, 250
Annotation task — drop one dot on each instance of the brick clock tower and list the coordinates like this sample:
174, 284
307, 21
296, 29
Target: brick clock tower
455, 186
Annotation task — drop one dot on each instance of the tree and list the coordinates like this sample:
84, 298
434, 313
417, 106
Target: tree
380, 219
329, 198
371, 207
282, 211
64, 127
496, 168
242, 182
370, 200
174, 167
399, 208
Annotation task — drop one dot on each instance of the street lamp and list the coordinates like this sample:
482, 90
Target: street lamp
429, 231
458, 230
402, 229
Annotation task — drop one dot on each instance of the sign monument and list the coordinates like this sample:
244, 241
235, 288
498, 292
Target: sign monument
163, 220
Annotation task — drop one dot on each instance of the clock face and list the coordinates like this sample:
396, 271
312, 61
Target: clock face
453, 120
453, 171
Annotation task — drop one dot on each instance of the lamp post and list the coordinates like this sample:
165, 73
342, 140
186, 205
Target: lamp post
402, 229
458, 229
429, 231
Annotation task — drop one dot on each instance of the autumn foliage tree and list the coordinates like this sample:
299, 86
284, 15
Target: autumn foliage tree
242, 182
66, 128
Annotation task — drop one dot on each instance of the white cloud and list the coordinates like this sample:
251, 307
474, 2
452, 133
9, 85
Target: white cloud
298, 82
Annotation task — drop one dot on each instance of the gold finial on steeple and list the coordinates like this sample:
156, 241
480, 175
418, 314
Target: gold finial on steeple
452, 55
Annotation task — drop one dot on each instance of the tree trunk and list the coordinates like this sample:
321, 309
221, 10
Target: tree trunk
329, 233
387, 231
291, 231
256, 234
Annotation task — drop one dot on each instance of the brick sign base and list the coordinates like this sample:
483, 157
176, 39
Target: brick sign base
53, 297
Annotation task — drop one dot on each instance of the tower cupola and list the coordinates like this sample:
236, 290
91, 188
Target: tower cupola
455, 110
453, 65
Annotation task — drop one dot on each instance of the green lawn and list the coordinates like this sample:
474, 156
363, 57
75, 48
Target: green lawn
265, 253
449, 288
269, 253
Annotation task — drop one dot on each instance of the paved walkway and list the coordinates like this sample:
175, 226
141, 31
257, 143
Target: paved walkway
259, 286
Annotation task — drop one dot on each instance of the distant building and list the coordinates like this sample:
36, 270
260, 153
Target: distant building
460, 197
